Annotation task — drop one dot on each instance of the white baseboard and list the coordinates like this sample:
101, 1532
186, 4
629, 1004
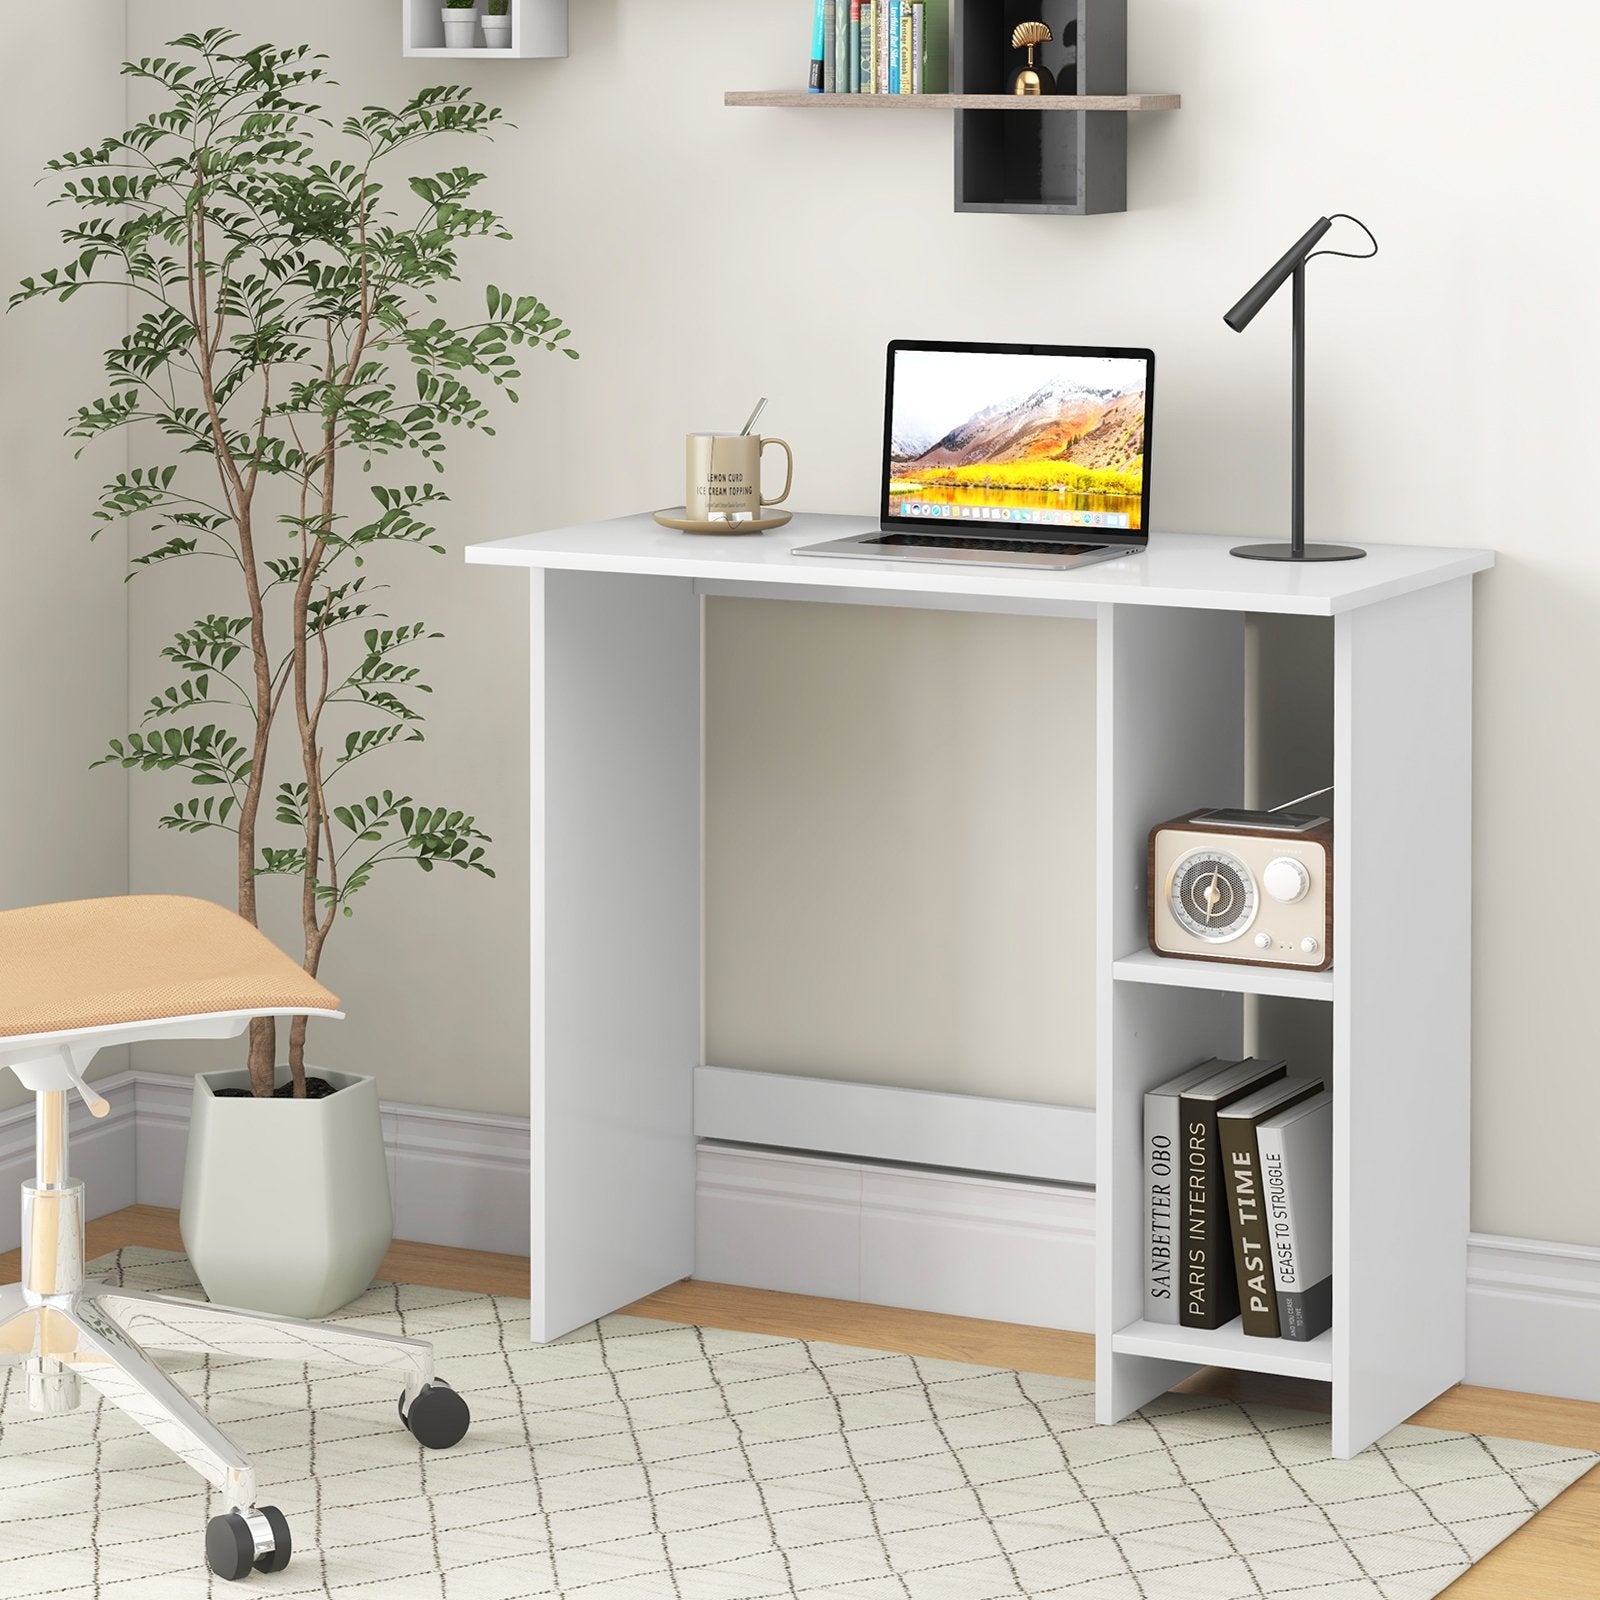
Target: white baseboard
457, 1178
933, 1241
1533, 1316
1021, 1252
953, 1242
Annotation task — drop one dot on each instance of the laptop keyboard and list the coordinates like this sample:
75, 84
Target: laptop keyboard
1031, 547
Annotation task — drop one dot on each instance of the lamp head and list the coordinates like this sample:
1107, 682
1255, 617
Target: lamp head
1276, 276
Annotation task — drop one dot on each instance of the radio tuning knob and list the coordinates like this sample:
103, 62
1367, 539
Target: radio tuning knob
1263, 941
1286, 880
1310, 945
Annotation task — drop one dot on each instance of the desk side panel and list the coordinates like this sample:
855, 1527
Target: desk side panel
1170, 688
616, 939
1402, 1006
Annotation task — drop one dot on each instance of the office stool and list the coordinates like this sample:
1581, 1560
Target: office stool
82, 977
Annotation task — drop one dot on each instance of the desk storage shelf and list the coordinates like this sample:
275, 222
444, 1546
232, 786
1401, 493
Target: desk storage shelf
616, 727
1144, 966
1064, 154
1228, 1346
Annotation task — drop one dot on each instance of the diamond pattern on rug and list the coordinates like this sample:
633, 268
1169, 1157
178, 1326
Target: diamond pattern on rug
639, 1460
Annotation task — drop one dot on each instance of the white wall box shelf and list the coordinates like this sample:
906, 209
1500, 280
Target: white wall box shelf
1064, 154
538, 30
616, 630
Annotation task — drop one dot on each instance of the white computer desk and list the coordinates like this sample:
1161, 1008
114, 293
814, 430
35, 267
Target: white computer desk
616, 1045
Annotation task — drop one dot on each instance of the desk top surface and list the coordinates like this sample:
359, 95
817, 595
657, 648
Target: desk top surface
1178, 569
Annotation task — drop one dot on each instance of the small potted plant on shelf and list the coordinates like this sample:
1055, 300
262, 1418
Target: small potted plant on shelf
497, 24
460, 24
286, 334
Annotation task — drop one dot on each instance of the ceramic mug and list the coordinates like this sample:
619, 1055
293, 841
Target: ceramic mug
722, 476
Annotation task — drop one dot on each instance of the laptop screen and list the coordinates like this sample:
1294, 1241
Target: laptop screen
1022, 441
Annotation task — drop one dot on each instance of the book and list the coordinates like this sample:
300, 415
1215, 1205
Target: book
830, 60
869, 47
1208, 1291
885, 15
936, 48
1162, 1179
855, 46
893, 44
918, 41
1296, 1150
818, 20
841, 45
1247, 1212
906, 28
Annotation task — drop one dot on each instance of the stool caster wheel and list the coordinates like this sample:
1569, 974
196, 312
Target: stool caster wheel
438, 1417
240, 1542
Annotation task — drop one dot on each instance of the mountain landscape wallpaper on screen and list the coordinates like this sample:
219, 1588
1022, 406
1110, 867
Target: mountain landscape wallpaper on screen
1065, 446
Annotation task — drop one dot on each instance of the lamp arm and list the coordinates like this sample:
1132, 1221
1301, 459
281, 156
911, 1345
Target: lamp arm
1243, 314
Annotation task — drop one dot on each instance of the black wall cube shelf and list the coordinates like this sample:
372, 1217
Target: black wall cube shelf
1064, 154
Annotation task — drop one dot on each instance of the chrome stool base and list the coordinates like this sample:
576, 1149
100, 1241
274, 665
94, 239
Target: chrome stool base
70, 1332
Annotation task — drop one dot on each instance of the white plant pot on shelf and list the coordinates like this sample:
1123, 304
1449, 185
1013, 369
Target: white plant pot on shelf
286, 1202
460, 27
497, 32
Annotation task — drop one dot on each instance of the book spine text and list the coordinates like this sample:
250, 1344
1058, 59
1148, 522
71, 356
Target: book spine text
1207, 1297
1252, 1264
1297, 1186
1161, 1185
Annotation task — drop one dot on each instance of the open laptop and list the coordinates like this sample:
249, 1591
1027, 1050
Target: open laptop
1011, 455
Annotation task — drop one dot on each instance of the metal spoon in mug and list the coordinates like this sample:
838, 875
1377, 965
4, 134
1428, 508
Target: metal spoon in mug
761, 405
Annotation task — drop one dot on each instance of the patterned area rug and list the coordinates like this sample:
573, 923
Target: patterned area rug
641, 1460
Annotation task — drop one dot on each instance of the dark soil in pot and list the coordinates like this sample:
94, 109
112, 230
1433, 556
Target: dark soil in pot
316, 1089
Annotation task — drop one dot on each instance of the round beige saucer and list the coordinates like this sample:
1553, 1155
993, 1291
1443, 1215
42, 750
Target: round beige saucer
677, 517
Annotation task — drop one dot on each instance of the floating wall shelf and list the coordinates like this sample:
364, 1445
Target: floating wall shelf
538, 31
1063, 154
798, 100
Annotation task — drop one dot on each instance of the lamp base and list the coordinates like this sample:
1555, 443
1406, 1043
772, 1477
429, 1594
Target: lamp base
1286, 552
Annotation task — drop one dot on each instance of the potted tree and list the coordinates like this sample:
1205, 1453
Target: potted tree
285, 332
460, 24
497, 24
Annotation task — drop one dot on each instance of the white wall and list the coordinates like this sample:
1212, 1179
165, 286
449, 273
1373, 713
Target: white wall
705, 256
63, 617
886, 791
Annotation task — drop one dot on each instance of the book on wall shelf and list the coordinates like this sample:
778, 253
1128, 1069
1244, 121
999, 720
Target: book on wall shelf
880, 47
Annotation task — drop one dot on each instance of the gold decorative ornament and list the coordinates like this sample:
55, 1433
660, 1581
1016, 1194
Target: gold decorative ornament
1032, 78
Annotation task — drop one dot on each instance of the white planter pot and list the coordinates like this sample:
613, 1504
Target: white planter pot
460, 28
286, 1202
497, 32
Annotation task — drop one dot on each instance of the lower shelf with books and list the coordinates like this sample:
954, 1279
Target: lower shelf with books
1238, 1200
1228, 1346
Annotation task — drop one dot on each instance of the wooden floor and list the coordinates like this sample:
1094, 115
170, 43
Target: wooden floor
1555, 1557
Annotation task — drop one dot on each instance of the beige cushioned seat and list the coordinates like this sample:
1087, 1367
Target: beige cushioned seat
140, 958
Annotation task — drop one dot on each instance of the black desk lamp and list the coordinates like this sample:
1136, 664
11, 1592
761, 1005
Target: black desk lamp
1293, 265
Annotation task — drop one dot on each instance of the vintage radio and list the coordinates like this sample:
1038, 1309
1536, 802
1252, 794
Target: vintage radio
1250, 886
